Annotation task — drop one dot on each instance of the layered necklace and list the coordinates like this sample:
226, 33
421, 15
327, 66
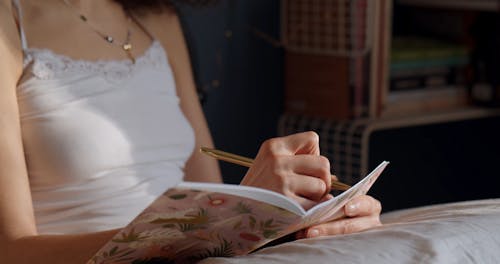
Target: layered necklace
125, 45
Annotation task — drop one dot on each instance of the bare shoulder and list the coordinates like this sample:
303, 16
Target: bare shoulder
6, 18
158, 20
5, 4
166, 27
10, 45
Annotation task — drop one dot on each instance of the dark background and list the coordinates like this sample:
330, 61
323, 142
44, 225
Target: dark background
238, 72
240, 77
430, 164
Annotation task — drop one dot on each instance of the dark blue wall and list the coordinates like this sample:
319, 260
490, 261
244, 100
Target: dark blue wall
239, 72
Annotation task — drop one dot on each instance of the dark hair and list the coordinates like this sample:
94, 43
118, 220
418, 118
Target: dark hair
153, 5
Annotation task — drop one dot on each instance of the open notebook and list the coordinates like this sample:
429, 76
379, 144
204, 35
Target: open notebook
194, 221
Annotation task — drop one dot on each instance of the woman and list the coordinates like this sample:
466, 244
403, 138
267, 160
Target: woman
95, 123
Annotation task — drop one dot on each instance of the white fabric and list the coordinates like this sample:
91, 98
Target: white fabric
465, 232
102, 139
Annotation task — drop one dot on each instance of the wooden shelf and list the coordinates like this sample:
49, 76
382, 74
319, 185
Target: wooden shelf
435, 117
480, 5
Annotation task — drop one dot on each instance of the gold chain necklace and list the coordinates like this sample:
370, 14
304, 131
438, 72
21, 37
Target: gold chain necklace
125, 45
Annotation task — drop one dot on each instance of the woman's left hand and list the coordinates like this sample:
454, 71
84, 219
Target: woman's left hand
362, 212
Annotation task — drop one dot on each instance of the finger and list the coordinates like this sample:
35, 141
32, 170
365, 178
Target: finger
311, 165
363, 205
327, 197
334, 177
304, 202
307, 204
342, 226
311, 188
300, 143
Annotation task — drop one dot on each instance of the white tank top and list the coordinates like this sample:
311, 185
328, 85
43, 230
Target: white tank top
102, 139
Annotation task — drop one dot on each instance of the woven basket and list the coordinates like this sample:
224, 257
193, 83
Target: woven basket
328, 27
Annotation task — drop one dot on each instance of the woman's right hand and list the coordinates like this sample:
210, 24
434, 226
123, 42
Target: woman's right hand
293, 166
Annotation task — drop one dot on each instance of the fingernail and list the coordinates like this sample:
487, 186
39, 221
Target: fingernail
352, 208
313, 233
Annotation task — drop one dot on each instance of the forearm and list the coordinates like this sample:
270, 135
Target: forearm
56, 249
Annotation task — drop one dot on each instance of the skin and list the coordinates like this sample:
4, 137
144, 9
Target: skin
291, 165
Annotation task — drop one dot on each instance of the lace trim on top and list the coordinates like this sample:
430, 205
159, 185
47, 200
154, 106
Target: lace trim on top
46, 64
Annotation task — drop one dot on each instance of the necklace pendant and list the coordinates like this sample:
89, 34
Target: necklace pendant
127, 47
109, 39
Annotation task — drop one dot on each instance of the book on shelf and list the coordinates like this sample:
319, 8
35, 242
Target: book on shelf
426, 100
428, 63
425, 75
410, 48
403, 73
417, 53
427, 78
194, 221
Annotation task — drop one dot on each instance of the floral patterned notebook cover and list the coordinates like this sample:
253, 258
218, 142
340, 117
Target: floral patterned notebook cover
195, 220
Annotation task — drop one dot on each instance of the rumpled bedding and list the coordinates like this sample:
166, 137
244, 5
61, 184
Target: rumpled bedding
463, 232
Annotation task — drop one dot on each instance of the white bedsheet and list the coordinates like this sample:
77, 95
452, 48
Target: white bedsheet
465, 232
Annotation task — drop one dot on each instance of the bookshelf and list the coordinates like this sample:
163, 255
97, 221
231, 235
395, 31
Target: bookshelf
445, 145
340, 57
347, 139
442, 49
